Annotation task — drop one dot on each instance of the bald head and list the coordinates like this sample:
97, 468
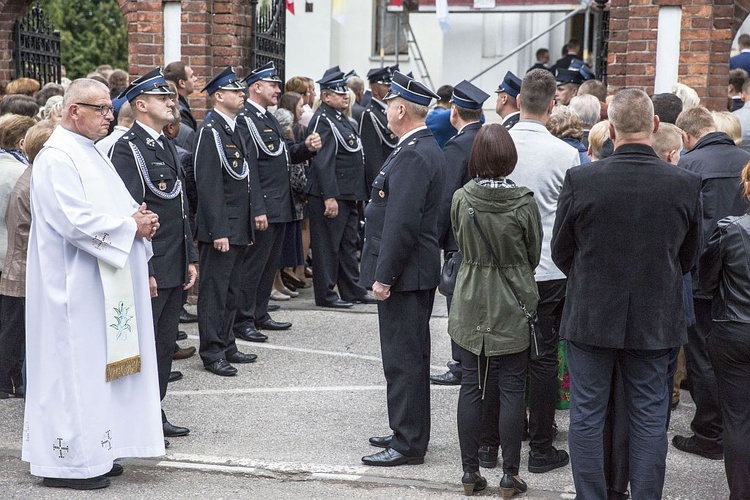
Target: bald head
81, 90
87, 109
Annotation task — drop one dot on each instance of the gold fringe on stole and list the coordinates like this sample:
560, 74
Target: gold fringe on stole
123, 368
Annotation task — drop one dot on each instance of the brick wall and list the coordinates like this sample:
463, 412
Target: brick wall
10, 12
708, 28
215, 34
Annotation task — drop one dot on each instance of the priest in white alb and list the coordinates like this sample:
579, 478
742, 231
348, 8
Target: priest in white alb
92, 390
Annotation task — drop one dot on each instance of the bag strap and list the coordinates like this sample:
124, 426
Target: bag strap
495, 259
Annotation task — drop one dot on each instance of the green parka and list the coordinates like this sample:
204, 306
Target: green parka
484, 312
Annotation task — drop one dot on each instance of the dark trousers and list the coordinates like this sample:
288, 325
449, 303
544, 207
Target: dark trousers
259, 267
507, 375
12, 342
647, 398
334, 249
404, 320
729, 349
165, 308
543, 372
706, 424
217, 300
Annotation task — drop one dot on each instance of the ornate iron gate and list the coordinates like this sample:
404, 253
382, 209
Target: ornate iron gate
36, 47
269, 34
601, 39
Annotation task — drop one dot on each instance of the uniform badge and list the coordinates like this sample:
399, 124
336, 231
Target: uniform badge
381, 193
236, 154
271, 147
150, 142
234, 164
351, 142
162, 186
393, 136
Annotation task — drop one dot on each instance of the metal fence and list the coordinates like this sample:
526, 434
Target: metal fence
36, 47
269, 34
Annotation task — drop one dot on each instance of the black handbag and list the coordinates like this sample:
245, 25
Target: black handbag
536, 349
449, 273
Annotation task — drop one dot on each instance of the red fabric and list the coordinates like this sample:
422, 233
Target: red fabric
290, 6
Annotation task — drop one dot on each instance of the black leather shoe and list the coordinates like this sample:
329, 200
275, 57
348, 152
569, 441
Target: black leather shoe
183, 353
186, 317
250, 333
446, 378
509, 486
221, 367
473, 482
367, 299
381, 441
270, 324
174, 431
288, 279
337, 304
241, 357
174, 377
94, 483
273, 307
115, 471
488, 457
390, 458
181, 335
690, 445
546, 462
166, 444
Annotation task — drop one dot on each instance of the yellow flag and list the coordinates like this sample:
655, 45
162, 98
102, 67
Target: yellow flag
338, 12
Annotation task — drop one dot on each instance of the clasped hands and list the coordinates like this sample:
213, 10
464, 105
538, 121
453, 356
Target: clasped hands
147, 222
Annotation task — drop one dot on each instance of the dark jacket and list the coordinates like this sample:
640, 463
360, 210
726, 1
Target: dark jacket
627, 228
150, 172
223, 198
564, 63
456, 151
272, 156
510, 219
187, 116
583, 152
377, 139
725, 270
719, 163
401, 241
338, 170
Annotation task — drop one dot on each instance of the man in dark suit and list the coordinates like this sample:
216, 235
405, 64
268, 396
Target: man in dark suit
147, 162
377, 139
264, 141
466, 114
714, 156
184, 79
741, 60
401, 262
570, 54
225, 224
627, 228
542, 59
506, 105
336, 181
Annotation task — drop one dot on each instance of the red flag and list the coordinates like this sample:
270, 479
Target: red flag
290, 6
395, 3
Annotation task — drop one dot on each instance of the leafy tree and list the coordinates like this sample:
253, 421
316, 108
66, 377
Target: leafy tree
93, 32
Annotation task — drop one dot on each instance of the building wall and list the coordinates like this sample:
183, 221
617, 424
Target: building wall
10, 12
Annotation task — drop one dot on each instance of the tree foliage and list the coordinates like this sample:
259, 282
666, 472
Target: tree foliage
93, 32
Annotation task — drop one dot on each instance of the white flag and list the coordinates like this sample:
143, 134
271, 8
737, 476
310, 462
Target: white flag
441, 11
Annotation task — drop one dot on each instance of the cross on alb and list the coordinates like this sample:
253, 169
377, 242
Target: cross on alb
60, 448
107, 441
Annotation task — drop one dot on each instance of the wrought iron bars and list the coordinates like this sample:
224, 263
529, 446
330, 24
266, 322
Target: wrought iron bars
36, 47
269, 34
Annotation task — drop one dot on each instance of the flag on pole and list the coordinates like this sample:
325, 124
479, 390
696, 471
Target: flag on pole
338, 12
441, 11
290, 6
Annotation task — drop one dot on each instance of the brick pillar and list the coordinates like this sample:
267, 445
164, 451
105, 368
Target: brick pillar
10, 12
215, 34
708, 28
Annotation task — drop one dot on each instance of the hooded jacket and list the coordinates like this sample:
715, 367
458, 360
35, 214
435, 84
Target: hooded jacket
484, 312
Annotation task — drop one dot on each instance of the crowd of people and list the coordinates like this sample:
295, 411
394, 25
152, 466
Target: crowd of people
611, 230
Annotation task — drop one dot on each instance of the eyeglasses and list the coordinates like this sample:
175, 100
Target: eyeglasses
103, 110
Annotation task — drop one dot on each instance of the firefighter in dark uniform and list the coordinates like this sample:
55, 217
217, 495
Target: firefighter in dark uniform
401, 263
273, 154
147, 162
224, 223
335, 183
507, 100
377, 139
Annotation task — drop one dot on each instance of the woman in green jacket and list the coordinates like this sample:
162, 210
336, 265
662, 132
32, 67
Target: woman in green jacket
485, 320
